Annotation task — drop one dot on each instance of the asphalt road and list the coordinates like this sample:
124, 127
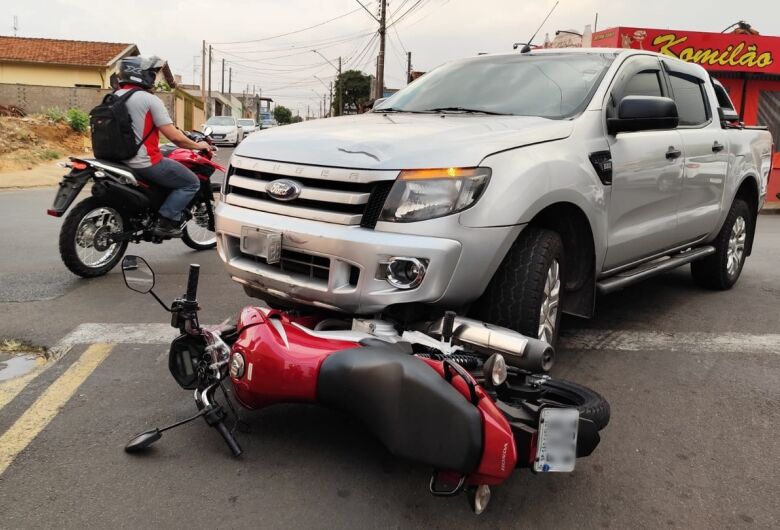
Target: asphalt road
692, 442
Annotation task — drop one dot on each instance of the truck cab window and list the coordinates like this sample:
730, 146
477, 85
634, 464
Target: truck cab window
724, 101
645, 83
688, 93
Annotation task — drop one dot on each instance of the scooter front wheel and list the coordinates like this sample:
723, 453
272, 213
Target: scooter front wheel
198, 233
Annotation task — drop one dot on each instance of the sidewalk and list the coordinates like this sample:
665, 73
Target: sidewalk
48, 174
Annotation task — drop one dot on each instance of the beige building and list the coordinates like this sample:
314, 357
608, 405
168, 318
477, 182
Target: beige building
60, 63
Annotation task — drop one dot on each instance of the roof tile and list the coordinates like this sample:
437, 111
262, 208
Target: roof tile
55, 51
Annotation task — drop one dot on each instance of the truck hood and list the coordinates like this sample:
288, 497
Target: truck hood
401, 141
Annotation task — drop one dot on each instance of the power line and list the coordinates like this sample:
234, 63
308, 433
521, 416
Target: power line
292, 32
400, 17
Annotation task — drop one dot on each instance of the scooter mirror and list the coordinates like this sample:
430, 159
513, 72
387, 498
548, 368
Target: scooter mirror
143, 440
207, 131
139, 276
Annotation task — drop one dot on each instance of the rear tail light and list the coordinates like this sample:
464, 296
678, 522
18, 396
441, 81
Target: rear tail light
53, 212
79, 165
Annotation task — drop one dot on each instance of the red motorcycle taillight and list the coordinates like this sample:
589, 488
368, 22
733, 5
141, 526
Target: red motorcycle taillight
78, 165
53, 212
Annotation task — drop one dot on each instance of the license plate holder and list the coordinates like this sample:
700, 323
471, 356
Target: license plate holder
556, 448
262, 243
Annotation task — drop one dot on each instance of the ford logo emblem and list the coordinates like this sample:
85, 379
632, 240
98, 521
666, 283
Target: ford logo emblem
283, 189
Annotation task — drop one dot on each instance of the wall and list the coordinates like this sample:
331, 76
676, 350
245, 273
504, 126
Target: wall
53, 75
36, 98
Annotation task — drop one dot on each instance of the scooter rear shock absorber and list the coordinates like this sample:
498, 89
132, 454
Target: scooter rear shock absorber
469, 362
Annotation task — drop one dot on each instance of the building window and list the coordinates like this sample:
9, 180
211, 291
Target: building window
769, 114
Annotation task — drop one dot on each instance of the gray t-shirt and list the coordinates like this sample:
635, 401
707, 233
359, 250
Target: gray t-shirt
147, 112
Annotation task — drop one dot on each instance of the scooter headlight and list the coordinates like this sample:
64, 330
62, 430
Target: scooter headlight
237, 366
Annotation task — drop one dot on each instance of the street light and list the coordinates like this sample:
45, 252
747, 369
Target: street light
338, 82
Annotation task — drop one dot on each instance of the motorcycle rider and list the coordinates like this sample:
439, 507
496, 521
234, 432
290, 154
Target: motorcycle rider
150, 118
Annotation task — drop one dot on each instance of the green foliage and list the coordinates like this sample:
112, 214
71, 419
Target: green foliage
356, 90
282, 114
55, 114
163, 86
296, 119
78, 120
50, 154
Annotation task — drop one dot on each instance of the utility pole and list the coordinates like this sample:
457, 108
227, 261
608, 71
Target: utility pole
230, 80
408, 67
330, 101
341, 92
222, 86
380, 69
210, 80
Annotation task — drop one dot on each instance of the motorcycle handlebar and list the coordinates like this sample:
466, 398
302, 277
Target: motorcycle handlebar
229, 439
192, 283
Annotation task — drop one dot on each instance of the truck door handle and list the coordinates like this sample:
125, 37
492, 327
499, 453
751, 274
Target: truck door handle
717, 147
673, 153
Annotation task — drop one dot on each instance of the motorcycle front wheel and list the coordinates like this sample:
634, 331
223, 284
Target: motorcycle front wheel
85, 246
197, 233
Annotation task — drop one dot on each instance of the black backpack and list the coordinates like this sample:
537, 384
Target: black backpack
112, 129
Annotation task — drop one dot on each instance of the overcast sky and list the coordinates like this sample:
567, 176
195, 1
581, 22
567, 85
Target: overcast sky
284, 68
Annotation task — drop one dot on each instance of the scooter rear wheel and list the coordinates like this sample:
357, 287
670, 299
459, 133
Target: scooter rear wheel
589, 403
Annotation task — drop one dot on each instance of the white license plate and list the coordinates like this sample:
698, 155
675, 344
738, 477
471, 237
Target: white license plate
556, 447
262, 243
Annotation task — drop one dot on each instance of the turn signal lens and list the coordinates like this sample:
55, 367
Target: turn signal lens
78, 165
237, 366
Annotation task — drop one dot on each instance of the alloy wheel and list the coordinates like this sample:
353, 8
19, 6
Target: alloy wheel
736, 248
548, 313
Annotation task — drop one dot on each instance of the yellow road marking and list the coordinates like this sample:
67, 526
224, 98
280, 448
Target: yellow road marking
48, 405
11, 388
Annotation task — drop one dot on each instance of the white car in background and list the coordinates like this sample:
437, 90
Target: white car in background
248, 125
267, 120
225, 130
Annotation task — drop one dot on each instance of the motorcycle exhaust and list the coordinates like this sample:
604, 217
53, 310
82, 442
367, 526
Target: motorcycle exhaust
519, 351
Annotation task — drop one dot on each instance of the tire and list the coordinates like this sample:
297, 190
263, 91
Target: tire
515, 296
589, 402
195, 225
721, 270
70, 248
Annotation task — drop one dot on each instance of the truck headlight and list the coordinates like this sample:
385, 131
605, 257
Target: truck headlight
421, 194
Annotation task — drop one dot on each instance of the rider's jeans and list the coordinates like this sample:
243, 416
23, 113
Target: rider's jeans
173, 175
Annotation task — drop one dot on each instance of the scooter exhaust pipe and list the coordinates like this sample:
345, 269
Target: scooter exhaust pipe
518, 350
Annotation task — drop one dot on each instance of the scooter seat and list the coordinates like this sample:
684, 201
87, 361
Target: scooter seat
406, 404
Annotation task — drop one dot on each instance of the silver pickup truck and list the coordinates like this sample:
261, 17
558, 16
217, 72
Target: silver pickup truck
505, 187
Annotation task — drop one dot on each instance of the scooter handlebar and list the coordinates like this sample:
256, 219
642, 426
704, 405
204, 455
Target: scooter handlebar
229, 439
192, 283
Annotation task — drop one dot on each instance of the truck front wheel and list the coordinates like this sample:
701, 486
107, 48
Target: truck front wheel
526, 292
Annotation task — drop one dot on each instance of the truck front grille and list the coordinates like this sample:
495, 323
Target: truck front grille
342, 196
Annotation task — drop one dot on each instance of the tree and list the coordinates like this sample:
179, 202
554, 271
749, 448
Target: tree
356, 93
297, 119
282, 114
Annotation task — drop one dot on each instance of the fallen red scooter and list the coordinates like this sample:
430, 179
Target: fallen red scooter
456, 394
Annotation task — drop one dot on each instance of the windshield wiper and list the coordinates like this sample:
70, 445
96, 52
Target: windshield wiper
396, 109
466, 111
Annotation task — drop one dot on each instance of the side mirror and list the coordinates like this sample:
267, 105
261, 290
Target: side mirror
644, 113
139, 276
207, 131
727, 115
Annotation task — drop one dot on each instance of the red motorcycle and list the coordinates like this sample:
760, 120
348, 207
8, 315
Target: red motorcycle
456, 394
123, 209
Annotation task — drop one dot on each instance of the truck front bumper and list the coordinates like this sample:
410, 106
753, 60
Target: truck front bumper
339, 267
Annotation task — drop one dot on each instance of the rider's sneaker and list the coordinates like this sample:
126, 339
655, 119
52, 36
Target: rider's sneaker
167, 228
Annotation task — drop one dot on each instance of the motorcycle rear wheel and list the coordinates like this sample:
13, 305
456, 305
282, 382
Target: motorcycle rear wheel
83, 246
196, 233
589, 403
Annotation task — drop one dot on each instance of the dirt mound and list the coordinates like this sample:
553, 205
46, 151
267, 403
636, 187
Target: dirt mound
26, 142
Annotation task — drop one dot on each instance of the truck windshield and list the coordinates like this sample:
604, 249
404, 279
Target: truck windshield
553, 86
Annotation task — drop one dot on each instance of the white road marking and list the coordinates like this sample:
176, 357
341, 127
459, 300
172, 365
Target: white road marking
690, 342
114, 334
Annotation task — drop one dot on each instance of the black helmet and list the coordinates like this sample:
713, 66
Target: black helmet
141, 71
